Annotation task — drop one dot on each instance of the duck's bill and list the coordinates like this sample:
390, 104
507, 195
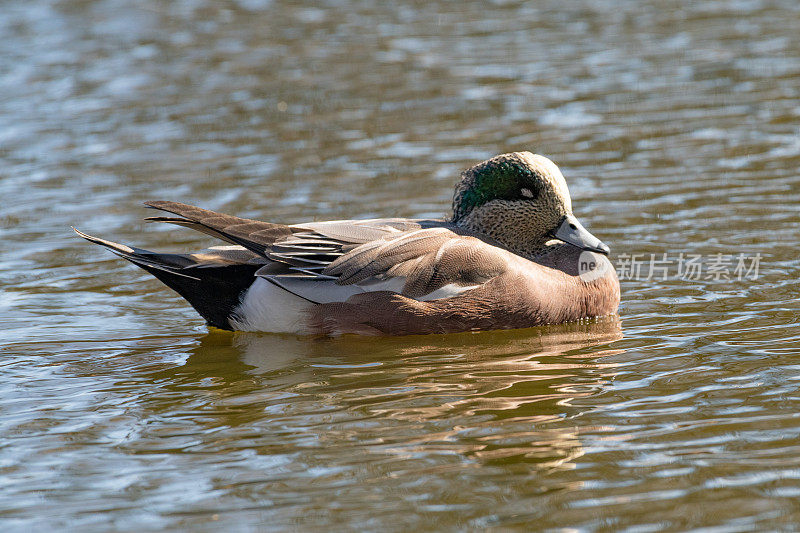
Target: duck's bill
573, 232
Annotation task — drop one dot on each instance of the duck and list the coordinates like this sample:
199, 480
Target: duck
511, 255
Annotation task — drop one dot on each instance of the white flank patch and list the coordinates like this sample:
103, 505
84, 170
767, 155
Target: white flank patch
266, 307
448, 291
527, 193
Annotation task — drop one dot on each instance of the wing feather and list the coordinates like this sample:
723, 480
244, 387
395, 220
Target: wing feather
360, 231
392, 253
426, 259
254, 235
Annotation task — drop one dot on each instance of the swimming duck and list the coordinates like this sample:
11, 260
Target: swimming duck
511, 256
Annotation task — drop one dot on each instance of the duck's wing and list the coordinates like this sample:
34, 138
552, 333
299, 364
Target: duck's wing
254, 235
425, 260
262, 238
331, 261
315, 245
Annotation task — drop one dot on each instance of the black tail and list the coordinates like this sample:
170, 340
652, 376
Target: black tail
213, 288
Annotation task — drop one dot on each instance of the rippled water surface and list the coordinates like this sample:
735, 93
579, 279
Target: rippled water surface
677, 126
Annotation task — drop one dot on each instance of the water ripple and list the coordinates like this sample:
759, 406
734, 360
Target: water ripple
676, 127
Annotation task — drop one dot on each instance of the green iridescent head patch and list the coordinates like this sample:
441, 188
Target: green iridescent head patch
504, 177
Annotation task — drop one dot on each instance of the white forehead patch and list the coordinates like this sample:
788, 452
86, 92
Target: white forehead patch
526, 193
551, 173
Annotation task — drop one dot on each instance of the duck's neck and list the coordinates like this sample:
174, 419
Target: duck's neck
561, 256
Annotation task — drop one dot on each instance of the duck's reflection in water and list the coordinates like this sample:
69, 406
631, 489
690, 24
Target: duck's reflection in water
503, 398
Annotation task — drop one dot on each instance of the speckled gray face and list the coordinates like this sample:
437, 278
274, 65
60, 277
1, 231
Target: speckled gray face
520, 199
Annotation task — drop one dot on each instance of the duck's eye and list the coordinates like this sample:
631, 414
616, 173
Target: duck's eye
527, 193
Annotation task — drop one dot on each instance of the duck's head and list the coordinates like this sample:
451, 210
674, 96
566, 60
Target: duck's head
521, 200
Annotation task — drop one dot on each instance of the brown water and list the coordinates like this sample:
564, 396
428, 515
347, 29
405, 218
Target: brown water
677, 127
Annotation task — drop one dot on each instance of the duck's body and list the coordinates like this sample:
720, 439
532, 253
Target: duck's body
397, 276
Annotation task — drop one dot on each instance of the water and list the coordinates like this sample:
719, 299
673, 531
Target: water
677, 128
